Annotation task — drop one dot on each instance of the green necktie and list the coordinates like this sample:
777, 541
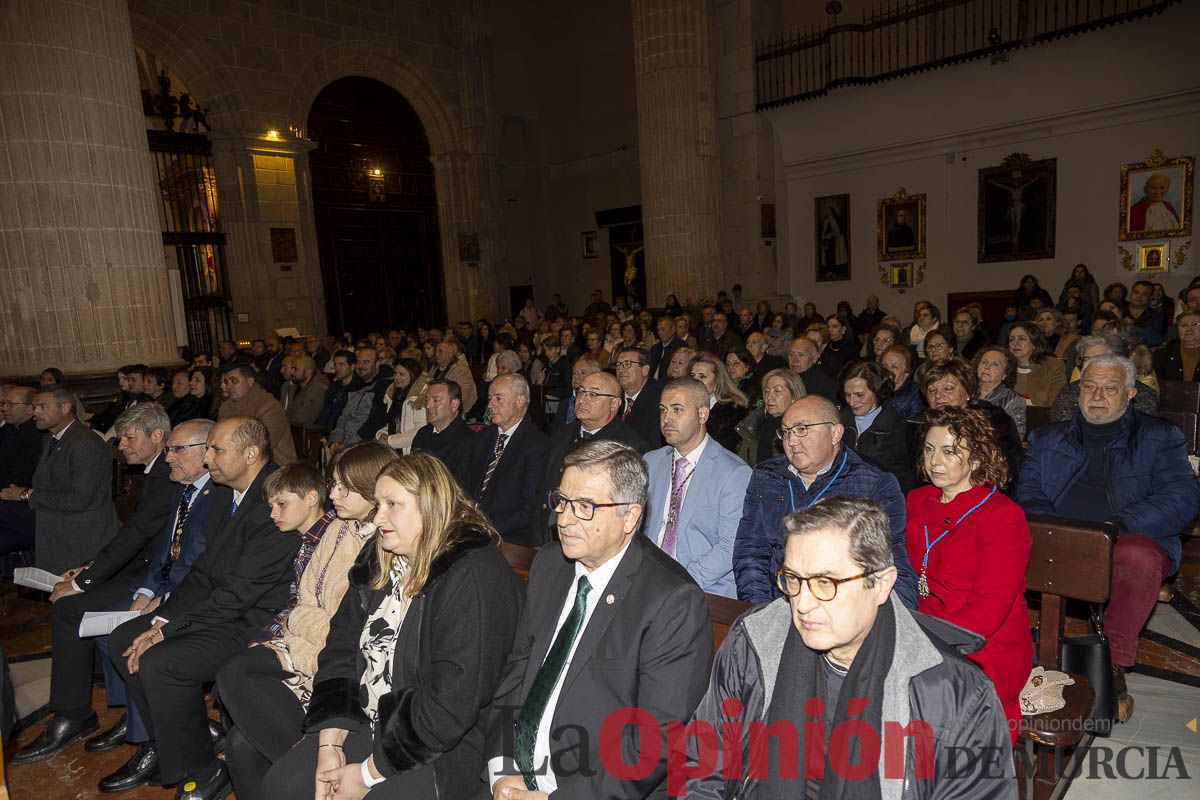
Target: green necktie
547, 678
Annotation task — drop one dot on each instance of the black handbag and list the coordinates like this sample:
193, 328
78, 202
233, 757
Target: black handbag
1089, 656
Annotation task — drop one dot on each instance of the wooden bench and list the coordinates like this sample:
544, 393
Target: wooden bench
1068, 560
1179, 396
307, 439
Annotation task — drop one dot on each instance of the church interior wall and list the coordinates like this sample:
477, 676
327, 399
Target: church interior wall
1093, 102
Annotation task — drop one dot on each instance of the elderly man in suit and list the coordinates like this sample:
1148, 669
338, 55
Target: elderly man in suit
611, 623
71, 492
597, 403
639, 406
696, 490
237, 585
138, 588
661, 352
508, 461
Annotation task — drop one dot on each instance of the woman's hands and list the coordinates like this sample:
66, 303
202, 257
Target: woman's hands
330, 761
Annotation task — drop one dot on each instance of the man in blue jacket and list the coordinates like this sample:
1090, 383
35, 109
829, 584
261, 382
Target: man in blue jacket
814, 465
1113, 463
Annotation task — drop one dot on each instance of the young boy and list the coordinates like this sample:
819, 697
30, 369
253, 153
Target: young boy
296, 494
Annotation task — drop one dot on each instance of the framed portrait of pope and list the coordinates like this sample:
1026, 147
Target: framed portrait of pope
1156, 197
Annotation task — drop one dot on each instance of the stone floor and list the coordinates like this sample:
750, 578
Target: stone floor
1166, 688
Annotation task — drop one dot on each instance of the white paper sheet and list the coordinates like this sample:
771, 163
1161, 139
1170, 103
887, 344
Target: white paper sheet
102, 623
35, 578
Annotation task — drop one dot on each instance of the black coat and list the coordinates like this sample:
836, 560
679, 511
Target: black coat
155, 508
449, 657
454, 447
1006, 433
243, 577
643, 417
512, 490
564, 439
885, 444
1168, 364
20, 448
768, 363
723, 419
660, 357
818, 382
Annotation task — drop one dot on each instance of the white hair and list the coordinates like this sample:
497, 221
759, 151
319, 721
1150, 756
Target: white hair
1110, 361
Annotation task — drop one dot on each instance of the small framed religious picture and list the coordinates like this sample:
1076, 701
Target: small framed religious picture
1156, 197
900, 230
283, 245
1018, 209
832, 231
1152, 257
902, 276
589, 244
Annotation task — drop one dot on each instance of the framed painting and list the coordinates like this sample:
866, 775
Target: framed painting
1017, 209
589, 244
900, 230
1156, 197
1152, 257
902, 276
833, 237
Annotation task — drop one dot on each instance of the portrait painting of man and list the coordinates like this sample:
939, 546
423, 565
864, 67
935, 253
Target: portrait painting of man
901, 227
1156, 198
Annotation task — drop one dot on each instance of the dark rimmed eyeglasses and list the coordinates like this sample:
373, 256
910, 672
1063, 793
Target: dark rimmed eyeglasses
591, 395
583, 510
798, 431
822, 587
176, 449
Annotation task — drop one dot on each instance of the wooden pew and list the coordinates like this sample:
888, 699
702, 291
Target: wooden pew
1069, 560
307, 439
1179, 396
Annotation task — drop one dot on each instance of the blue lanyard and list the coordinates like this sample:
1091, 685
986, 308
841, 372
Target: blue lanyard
820, 494
929, 545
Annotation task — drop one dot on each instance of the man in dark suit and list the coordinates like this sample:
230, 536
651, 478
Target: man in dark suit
237, 585
20, 447
803, 355
639, 404
584, 366
508, 462
446, 435
756, 345
597, 401
720, 339
183, 530
660, 354
611, 623
71, 491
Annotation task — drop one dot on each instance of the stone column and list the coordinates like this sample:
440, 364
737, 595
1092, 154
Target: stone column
677, 147
83, 284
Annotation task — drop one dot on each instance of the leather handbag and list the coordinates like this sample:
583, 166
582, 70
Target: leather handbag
1088, 655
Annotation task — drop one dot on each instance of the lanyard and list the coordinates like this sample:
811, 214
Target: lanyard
929, 545
820, 494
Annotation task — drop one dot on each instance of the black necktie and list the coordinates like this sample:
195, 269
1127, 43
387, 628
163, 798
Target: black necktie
584, 435
530, 716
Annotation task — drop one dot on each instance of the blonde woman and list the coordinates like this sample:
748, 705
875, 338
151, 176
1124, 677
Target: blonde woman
265, 690
727, 404
415, 652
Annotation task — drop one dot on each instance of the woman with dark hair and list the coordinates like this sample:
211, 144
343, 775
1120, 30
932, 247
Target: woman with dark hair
1118, 295
401, 412
762, 318
759, 431
971, 544
939, 348
414, 653
842, 347
727, 404
204, 389
502, 343
969, 336
1089, 291
1039, 374
996, 369
1028, 291
485, 337
1060, 340
778, 336
883, 337
265, 689
873, 428
51, 376
631, 334
928, 318
1161, 301
672, 308
740, 364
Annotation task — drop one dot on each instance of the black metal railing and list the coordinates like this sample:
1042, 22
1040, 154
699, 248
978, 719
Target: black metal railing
906, 36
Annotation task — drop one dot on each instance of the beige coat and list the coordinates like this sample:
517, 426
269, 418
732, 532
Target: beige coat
460, 373
307, 402
266, 409
412, 417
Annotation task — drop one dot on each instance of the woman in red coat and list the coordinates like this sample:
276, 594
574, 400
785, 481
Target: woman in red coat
970, 544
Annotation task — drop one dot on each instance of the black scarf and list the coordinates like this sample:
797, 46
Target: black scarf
397, 406
800, 677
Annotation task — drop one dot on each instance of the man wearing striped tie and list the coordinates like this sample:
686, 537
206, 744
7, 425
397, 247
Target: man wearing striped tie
508, 461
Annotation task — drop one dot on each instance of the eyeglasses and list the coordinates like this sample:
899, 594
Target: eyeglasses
626, 364
176, 449
798, 431
1195, 326
337, 489
590, 395
822, 587
937, 346
583, 510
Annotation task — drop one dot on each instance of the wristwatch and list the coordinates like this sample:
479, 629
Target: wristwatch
25, 494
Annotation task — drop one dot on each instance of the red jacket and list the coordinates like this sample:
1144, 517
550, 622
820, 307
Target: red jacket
976, 578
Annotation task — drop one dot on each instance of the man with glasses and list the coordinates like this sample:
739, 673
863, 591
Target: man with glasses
814, 465
597, 416
611, 622
806, 662
639, 404
176, 542
20, 448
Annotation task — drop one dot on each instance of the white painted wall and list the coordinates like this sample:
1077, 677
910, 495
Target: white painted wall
1094, 102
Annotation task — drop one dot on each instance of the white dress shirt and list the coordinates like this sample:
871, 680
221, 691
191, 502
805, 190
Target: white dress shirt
599, 578
693, 459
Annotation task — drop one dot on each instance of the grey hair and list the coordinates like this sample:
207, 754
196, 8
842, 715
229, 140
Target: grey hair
517, 382
145, 417
1116, 344
511, 360
863, 521
1109, 362
203, 426
692, 387
63, 396
625, 469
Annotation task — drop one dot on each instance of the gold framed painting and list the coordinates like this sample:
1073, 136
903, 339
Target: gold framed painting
902, 276
1156, 197
1153, 257
900, 230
